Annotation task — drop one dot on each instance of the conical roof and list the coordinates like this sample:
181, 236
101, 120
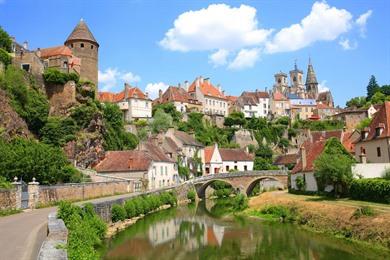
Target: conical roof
311, 75
81, 32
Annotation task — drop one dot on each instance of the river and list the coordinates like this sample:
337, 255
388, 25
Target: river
203, 232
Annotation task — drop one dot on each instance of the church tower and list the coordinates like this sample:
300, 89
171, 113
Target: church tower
296, 77
281, 84
311, 82
84, 46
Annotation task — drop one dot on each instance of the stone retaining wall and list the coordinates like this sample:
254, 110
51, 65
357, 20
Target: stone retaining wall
82, 191
9, 199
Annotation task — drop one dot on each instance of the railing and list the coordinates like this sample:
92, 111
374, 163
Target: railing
239, 174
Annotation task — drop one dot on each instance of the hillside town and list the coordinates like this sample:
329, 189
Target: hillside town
86, 143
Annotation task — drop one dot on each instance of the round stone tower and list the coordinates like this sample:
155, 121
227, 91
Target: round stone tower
84, 46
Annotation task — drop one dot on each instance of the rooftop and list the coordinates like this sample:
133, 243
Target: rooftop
206, 88
81, 32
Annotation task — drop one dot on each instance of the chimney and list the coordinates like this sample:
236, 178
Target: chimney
126, 94
186, 85
207, 80
197, 84
25, 45
303, 157
363, 157
201, 79
160, 94
147, 94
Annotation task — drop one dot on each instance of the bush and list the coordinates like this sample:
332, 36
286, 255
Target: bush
300, 182
118, 213
58, 131
386, 174
376, 190
240, 202
364, 211
191, 195
54, 76
279, 211
168, 198
5, 58
4, 184
130, 209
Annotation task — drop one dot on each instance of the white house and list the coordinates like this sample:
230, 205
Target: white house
148, 165
180, 98
254, 104
223, 160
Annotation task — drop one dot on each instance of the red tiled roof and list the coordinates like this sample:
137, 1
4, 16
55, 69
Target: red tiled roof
380, 119
251, 98
234, 155
176, 94
325, 135
156, 153
348, 142
206, 88
56, 51
286, 159
323, 106
313, 150
124, 161
106, 96
81, 32
232, 98
208, 153
132, 92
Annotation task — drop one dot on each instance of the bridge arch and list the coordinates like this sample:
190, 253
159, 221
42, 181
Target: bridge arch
201, 187
255, 181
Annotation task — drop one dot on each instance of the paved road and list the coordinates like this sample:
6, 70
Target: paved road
21, 235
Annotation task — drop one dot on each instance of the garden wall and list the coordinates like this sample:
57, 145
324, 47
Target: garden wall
9, 199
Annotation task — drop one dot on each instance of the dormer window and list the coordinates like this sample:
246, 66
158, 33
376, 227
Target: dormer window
378, 131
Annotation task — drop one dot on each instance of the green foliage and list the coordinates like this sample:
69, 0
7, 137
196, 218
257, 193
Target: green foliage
5, 58
83, 114
240, 202
170, 109
161, 121
283, 213
300, 182
364, 123
222, 189
30, 103
54, 76
379, 98
386, 174
58, 131
86, 230
27, 159
364, 211
320, 125
7, 212
130, 209
357, 102
183, 171
333, 166
4, 184
118, 213
191, 195
263, 159
5, 40
372, 87
235, 119
376, 190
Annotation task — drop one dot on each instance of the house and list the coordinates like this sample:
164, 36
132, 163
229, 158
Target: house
304, 167
374, 141
302, 108
132, 101
149, 166
280, 105
324, 111
180, 98
232, 104
286, 161
213, 99
351, 117
224, 160
254, 104
60, 58
325, 98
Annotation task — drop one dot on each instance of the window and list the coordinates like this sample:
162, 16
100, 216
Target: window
146, 104
26, 67
161, 170
378, 151
207, 170
91, 47
65, 64
245, 168
166, 170
235, 167
227, 168
71, 45
82, 45
378, 131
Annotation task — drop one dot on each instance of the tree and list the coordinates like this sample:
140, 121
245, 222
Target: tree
170, 109
5, 40
235, 119
379, 98
372, 87
364, 123
385, 89
356, 102
333, 167
161, 121
58, 131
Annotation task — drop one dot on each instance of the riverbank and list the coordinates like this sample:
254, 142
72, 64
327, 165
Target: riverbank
342, 218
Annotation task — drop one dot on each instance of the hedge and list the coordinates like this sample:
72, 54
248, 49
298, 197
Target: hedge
376, 190
5, 58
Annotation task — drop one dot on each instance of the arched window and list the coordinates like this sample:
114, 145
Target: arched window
82, 45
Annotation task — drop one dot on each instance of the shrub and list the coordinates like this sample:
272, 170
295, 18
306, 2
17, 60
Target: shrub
300, 182
191, 195
54, 76
130, 209
240, 202
5, 40
279, 211
58, 131
376, 190
139, 209
118, 213
5, 58
364, 211
4, 184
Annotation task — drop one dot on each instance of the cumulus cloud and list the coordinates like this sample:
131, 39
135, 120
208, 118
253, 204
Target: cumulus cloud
216, 27
322, 87
362, 22
153, 88
347, 45
219, 58
245, 58
110, 78
324, 23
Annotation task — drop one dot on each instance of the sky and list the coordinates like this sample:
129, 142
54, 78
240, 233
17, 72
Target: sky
237, 44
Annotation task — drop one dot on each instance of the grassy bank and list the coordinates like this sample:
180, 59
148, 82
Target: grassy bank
7, 212
353, 220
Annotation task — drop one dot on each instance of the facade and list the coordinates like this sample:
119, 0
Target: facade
280, 105
323, 111
302, 108
373, 146
351, 117
61, 58
132, 101
223, 160
180, 98
254, 104
213, 99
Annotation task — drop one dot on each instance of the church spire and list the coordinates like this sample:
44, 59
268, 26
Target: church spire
81, 33
311, 75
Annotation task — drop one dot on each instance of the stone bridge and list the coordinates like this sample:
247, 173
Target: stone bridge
243, 182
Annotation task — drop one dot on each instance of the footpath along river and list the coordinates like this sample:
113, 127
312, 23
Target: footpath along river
203, 232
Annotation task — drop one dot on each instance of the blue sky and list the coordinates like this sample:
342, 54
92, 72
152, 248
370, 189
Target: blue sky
238, 44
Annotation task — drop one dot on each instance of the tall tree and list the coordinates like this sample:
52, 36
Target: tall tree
5, 40
372, 87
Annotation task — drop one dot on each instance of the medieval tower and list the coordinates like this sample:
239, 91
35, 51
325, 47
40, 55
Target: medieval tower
281, 83
311, 82
296, 77
84, 46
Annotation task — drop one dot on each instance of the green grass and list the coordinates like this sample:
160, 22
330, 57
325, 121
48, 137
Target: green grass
7, 212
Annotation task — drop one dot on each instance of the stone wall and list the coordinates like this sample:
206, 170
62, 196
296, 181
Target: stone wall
61, 97
84, 191
9, 199
54, 245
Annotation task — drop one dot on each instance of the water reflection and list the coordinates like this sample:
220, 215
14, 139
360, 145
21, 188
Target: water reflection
201, 233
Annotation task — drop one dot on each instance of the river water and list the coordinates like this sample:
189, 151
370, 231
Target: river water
202, 232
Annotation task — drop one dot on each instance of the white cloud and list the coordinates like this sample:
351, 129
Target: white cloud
324, 23
218, 26
153, 88
110, 78
347, 45
322, 87
362, 22
246, 58
219, 58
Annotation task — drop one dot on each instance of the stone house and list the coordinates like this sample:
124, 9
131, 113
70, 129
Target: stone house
280, 105
254, 104
373, 145
351, 117
132, 101
61, 58
323, 111
180, 98
148, 165
302, 108
286, 161
224, 160
232, 104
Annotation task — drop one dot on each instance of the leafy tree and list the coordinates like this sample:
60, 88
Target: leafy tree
161, 121
170, 109
379, 98
58, 131
5, 58
356, 102
372, 87
301, 184
385, 89
235, 119
5, 40
333, 166
364, 123
83, 114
